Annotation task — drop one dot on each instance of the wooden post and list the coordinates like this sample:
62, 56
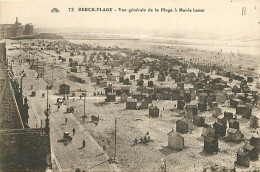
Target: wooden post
52, 75
37, 64
115, 140
85, 105
47, 98
43, 71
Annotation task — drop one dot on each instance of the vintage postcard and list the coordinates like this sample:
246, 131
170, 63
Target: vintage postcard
129, 85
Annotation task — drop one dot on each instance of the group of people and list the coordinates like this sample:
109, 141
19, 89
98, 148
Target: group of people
74, 132
97, 93
143, 140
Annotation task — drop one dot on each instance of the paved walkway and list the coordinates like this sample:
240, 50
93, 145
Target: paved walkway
71, 156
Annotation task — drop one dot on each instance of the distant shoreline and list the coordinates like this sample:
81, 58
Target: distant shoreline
93, 39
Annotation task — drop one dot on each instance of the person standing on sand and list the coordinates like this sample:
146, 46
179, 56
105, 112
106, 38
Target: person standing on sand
66, 120
83, 143
73, 131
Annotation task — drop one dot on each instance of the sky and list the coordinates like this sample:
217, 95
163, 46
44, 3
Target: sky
221, 17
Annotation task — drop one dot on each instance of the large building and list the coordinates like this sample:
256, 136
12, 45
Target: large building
28, 29
14, 30
21, 148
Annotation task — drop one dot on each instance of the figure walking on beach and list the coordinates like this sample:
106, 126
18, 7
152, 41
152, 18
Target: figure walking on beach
83, 143
73, 131
66, 120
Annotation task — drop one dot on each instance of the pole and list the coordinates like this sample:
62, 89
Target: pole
52, 75
84, 106
115, 140
47, 99
37, 64
43, 71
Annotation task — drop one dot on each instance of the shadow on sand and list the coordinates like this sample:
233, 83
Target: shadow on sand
167, 150
203, 153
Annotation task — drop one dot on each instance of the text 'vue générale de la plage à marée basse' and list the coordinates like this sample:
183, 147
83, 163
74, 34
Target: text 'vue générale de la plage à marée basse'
165, 10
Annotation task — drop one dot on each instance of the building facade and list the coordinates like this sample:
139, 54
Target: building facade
15, 30
21, 148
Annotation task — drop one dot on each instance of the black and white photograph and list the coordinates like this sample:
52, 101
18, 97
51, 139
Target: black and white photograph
129, 85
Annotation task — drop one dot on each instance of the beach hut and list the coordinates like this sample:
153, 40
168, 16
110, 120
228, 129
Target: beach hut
154, 111
190, 111
151, 75
124, 97
102, 83
220, 98
64, 89
202, 106
198, 120
255, 141
149, 99
230, 95
161, 77
247, 112
131, 104
240, 109
141, 76
228, 115
108, 89
187, 97
203, 98
137, 95
193, 94
210, 144
144, 104
243, 158
254, 122
126, 81
111, 77
90, 74
180, 85
175, 141
234, 124
140, 82
236, 89
220, 129
125, 90
216, 112
234, 135
182, 126
74, 69
222, 120
251, 150
208, 131
93, 79
189, 122
150, 83
111, 97
180, 104
132, 77
235, 102
121, 79
146, 76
